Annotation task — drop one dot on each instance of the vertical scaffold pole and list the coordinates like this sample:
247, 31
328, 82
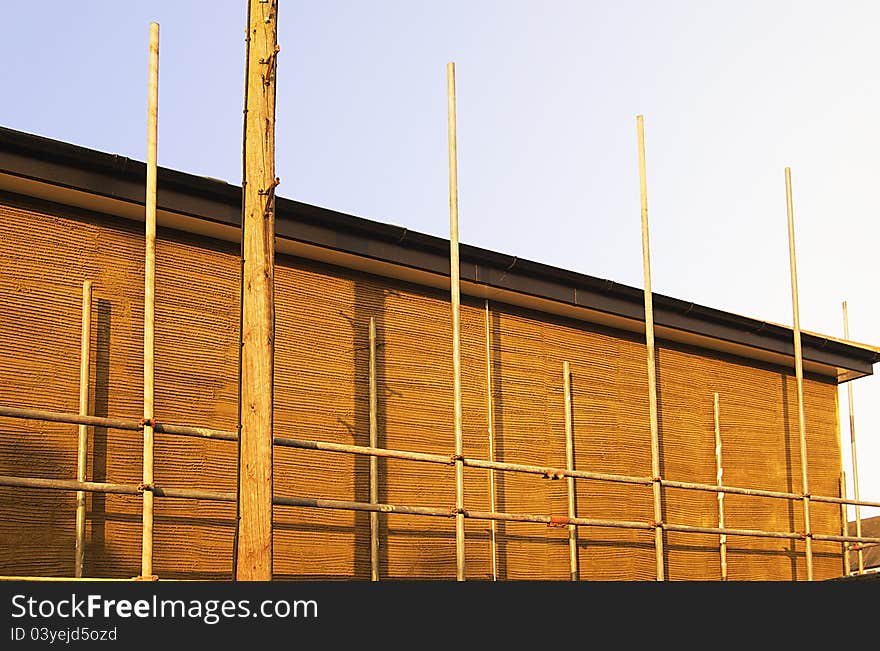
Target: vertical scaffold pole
374, 461
254, 550
844, 525
799, 375
652, 372
490, 410
569, 465
841, 487
82, 443
852, 443
719, 479
150, 305
455, 292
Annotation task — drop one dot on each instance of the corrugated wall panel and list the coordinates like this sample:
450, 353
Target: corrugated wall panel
321, 392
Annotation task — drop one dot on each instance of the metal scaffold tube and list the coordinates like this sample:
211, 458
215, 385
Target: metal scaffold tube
651, 359
844, 527
374, 461
574, 569
114, 488
150, 303
344, 448
347, 505
490, 411
719, 475
799, 375
61, 579
82, 440
841, 486
852, 444
455, 291
124, 424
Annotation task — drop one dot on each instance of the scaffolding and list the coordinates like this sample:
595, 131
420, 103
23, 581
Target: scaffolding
148, 427
380, 508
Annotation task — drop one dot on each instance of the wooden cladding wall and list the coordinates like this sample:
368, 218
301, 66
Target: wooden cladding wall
321, 393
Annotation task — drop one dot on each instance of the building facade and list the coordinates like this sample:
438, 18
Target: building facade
69, 214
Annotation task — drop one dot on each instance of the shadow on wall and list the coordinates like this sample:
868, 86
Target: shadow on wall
39, 523
96, 543
789, 472
664, 516
369, 301
502, 536
53, 523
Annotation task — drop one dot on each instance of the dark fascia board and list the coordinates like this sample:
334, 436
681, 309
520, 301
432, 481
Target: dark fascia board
117, 177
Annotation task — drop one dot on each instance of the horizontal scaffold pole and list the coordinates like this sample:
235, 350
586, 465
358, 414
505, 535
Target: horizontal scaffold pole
344, 448
431, 511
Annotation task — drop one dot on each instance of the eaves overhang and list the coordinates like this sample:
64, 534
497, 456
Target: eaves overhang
67, 174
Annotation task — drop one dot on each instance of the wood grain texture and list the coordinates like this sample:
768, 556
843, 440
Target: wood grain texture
254, 558
321, 378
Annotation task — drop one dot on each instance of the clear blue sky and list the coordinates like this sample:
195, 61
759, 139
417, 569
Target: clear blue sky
732, 92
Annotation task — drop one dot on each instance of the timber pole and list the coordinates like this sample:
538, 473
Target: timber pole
254, 545
455, 291
652, 371
799, 375
150, 305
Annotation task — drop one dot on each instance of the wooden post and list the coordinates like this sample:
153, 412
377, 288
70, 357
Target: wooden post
799, 375
574, 568
150, 304
852, 444
649, 341
455, 291
82, 443
719, 479
254, 550
374, 461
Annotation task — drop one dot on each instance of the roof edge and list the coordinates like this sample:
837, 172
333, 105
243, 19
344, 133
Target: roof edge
41, 160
